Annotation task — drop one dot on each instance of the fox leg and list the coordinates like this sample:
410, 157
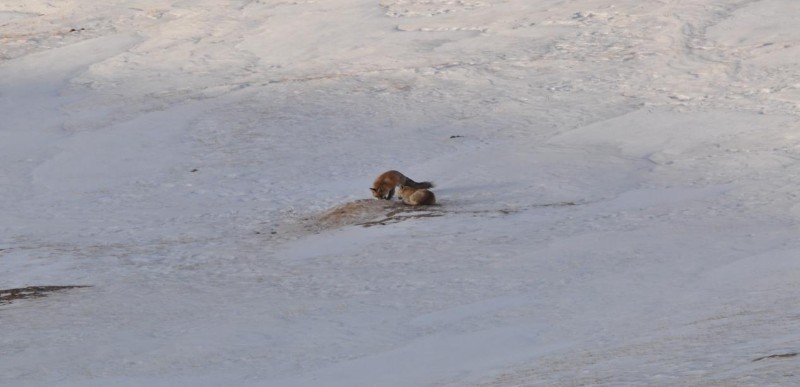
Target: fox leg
390, 194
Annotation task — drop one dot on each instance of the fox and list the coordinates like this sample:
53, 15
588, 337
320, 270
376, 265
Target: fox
384, 185
416, 196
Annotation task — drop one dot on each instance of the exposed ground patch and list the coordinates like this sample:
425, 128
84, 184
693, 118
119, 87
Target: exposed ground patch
370, 212
778, 356
9, 295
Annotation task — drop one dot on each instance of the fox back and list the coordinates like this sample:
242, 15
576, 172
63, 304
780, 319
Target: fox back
417, 196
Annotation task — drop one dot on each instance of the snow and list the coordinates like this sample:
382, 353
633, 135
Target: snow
617, 185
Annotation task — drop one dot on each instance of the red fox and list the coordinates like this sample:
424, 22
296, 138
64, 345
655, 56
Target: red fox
383, 187
416, 196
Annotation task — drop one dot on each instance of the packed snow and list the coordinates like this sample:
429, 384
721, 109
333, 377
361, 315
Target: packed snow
617, 182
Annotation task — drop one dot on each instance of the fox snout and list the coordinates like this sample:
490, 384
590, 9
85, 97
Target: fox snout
378, 193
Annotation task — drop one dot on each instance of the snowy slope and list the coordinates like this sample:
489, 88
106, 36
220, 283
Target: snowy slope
617, 184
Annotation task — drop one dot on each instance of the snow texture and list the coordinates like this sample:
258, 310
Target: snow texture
617, 186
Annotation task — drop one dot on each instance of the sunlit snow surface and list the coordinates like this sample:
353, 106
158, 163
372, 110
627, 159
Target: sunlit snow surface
617, 181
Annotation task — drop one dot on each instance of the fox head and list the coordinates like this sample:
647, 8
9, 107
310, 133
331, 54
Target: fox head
381, 193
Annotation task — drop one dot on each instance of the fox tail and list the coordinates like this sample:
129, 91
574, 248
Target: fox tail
422, 184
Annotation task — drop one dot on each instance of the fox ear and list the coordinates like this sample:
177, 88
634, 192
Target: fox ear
373, 189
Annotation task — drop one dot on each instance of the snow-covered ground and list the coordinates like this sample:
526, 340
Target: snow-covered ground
618, 182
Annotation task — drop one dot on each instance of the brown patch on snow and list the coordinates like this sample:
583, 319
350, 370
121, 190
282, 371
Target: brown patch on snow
372, 212
8, 295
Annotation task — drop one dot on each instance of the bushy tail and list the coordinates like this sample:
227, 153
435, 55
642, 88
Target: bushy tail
414, 184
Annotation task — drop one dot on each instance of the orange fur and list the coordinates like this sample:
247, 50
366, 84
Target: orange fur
416, 196
384, 185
